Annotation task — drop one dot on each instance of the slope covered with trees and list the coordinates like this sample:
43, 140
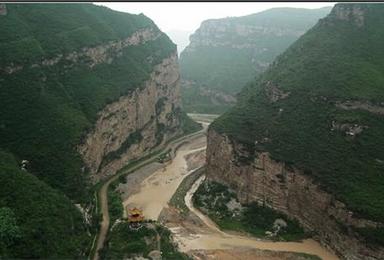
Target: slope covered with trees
224, 54
37, 221
319, 107
45, 110
60, 64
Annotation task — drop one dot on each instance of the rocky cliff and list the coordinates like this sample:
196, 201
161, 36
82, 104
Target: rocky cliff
305, 137
224, 54
128, 128
289, 190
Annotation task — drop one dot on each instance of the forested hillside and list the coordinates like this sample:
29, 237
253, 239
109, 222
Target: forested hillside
60, 65
37, 221
46, 109
224, 54
319, 107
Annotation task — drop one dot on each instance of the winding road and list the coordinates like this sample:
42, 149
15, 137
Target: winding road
102, 194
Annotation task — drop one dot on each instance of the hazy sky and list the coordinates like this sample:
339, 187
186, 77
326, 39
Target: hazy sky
187, 16
179, 20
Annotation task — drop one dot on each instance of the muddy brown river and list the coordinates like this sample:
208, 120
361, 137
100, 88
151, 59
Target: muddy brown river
222, 240
156, 190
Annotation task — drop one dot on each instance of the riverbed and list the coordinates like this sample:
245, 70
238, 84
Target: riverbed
153, 192
218, 239
156, 190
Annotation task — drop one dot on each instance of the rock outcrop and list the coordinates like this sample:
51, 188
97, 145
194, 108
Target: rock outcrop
354, 14
128, 128
358, 105
230, 33
287, 189
3, 9
92, 56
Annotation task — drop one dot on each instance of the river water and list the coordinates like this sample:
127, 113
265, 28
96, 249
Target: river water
156, 190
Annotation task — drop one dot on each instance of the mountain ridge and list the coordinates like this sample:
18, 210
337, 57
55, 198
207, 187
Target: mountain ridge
315, 115
226, 53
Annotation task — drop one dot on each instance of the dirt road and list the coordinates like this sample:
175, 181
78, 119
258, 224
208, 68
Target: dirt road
102, 194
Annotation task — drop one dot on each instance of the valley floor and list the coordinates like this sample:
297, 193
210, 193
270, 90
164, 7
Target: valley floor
152, 187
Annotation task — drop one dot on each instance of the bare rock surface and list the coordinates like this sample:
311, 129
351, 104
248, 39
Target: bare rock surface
145, 112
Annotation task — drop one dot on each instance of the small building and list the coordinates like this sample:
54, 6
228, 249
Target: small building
135, 215
135, 218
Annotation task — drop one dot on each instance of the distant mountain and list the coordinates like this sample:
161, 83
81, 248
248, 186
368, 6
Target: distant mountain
306, 137
180, 38
224, 54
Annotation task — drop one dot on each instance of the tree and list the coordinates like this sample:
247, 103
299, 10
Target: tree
9, 230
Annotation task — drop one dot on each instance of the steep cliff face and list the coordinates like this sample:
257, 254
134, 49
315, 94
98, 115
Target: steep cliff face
130, 127
305, 137
288, 189
224, 54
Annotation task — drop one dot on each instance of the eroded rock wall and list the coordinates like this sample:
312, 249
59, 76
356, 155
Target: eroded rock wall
287, 189
128, 128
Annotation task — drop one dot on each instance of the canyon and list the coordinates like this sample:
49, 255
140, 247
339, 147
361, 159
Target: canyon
92, 124
225, 54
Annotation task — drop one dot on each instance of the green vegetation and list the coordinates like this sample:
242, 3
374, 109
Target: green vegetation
168, 248
164, 157
260, 218
214, 199
36, 221
188, 125
46, 111
9, 230
177, 199
207, 70
133, 138
372, 236
49, 29
123, 242
115, 203
331, 62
